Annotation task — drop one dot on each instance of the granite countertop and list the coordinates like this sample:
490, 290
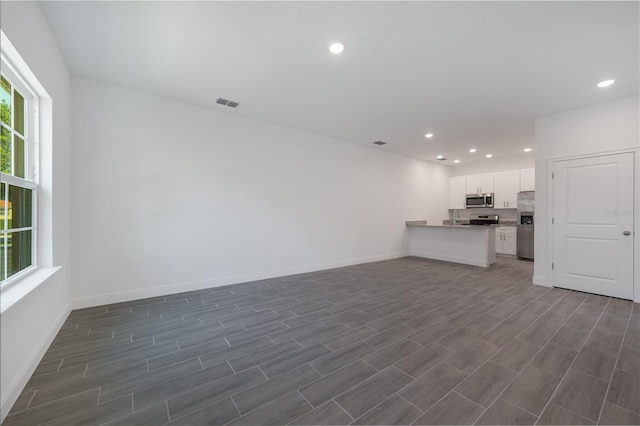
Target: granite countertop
464, 223
423, 224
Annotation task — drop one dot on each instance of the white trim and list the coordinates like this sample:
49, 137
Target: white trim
538, 280
11, 230
29, 279
636, 228
125, 296
22, 376
17, 181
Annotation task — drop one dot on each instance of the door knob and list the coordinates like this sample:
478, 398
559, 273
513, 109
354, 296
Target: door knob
626, 233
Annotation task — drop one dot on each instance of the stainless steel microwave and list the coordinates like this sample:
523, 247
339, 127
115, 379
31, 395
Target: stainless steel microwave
478, 201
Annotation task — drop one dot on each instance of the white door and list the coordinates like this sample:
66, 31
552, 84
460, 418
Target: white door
593, 224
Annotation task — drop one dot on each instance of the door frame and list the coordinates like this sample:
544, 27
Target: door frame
636, 213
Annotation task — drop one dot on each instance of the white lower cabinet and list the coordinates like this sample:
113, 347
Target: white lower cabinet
506, 240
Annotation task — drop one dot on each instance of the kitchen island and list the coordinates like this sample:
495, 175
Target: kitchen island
468, 244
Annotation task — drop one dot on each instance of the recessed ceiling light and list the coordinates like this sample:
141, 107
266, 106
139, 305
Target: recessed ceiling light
428, 135
489, 155
336, 47
440, 157
606, 83
472, 150
456, 161
527, 150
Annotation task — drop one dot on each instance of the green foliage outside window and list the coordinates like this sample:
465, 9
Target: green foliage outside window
5, 138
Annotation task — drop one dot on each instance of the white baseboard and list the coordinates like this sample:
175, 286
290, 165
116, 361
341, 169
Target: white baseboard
543, 281
454, 259
22, 376
125, 296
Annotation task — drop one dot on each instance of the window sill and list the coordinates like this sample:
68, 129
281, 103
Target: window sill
13, 293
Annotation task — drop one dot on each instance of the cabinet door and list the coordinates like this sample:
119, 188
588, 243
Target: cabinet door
513, 187
509, 243
457, 188
506, 187
528, 180
486, 183
499, 242
501, 191
473, 184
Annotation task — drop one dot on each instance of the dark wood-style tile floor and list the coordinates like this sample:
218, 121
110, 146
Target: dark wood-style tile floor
405, 341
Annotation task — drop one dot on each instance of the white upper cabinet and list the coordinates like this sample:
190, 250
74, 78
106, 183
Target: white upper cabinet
479, 184
457, 192
506, 188
504, 185
528, 180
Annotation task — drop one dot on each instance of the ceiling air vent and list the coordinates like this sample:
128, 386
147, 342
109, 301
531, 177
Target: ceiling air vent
225, 102
379, 143
441, 159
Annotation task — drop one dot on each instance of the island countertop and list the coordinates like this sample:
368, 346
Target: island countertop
423, 223
463, 226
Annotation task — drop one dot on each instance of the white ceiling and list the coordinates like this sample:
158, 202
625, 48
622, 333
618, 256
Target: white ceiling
476, 74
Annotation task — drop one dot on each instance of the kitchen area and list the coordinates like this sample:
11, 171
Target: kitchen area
490, 215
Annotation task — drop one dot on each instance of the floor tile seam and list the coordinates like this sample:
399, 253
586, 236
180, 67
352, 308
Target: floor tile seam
353, 419
335, 397
571, 411
471, 400
212, 401
628, 372
85, 342
234, 405
256, 408
230, 366
606, 394
303, 397
29, 403
484, 410
622, 408
382, 402
531, 361
149, 370
553, 394
474, 372
410, 403
432, 368
100, 395
166, 406
537, 416
589, 374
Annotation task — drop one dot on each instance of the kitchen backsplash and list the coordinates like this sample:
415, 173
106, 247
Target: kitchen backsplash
505, 214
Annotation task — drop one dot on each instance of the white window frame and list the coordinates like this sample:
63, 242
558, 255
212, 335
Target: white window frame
30, 181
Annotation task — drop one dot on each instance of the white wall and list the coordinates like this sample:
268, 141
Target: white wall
495, 164
169, 196
28, 326
605, 127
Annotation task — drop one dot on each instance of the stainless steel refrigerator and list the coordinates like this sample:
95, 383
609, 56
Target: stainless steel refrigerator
526, 209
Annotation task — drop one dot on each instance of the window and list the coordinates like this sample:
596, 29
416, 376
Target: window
18, 183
